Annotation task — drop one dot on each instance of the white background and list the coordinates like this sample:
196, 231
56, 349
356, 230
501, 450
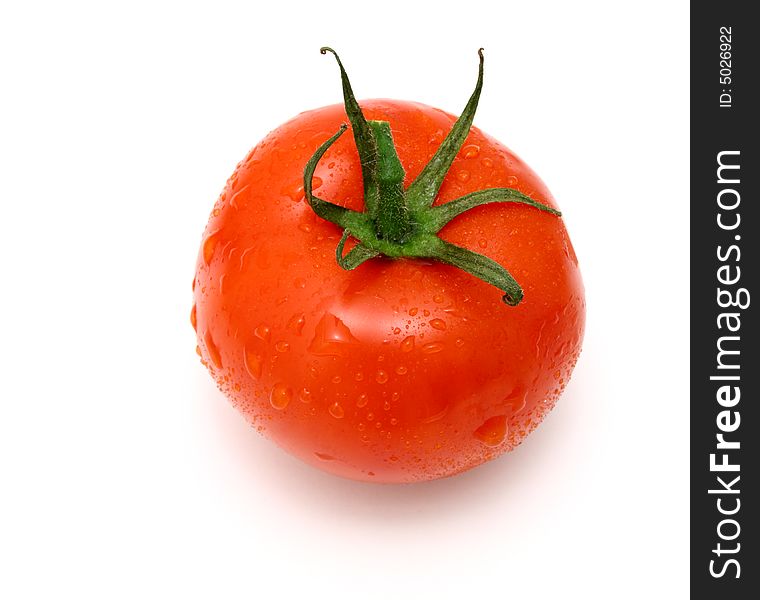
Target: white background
125, 474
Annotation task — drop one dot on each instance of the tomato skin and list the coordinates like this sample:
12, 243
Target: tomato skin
401, 370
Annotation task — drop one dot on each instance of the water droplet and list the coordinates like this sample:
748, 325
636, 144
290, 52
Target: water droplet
362, 400
570, 251
253, 363
359, 376
282, 347
401, 370
336, 410
263, 332
198, 350
381, 376
438, 298
493, 431
280, 396
194, 318
471, 151
488, 163
361, 426
482, 242
305, 395
426, 312
413, 311
386, 405
437, 416
370, 416
433, 347
511, 181
294, 191
331, 337
296, 324
299, 283
463, 176
459, 342
337, 379
437, 137
321, 456
517, 400
407, 345
396, 330
213, 351
209, 245
438, 324
234, 201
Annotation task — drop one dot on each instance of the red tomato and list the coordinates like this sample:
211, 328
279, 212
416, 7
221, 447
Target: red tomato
402, 369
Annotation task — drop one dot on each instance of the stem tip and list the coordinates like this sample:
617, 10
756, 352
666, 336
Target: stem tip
510, 300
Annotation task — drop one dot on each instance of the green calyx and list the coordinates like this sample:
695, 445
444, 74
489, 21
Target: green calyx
403, 223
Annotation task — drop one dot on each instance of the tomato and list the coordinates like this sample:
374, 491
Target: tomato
401, 369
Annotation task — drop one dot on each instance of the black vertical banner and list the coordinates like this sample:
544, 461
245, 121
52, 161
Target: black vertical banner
725, 301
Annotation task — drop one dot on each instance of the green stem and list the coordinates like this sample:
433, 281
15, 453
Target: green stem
423, 190
365, 141
392, 215
443, 213
356, 256
402, 223
327, 210
483, 268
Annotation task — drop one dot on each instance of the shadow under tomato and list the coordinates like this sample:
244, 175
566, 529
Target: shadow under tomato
501, 481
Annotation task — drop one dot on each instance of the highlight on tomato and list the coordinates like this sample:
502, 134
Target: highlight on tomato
395, 305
